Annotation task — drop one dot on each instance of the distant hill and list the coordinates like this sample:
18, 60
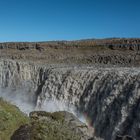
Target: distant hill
111, 51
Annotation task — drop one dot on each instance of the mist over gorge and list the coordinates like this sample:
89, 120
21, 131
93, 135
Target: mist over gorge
107, 95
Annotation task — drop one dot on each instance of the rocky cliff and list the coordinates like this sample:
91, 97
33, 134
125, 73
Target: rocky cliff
109, 98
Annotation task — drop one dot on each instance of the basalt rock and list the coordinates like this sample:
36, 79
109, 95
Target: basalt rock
124, 137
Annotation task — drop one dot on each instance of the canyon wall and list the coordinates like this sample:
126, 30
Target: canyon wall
109, 98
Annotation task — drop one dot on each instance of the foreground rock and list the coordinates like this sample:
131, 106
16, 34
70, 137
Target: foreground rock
53, 126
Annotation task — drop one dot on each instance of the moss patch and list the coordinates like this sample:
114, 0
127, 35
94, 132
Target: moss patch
10, 119
50, 126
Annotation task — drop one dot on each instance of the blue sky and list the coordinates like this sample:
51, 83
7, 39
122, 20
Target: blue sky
42, 20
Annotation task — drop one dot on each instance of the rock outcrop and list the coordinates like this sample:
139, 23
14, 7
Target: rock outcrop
53, 126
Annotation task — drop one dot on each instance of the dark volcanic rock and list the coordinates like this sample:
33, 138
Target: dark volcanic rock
124, 137
23, 133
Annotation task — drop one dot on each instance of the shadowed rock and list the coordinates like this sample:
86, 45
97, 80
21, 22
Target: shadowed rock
118, 137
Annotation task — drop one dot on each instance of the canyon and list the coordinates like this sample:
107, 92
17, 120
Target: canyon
97, 80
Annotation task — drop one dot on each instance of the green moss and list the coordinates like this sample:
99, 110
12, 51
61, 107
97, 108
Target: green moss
51, 126
10, 119
58, 116
52, 130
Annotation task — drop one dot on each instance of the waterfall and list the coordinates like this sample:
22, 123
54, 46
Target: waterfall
109, 98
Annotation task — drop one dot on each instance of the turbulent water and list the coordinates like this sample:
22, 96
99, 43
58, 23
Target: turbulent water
109, 98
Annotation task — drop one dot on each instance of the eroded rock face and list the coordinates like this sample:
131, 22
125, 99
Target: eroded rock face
109, 97
53, 126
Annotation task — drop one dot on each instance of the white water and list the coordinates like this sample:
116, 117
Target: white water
20, 99
109, 96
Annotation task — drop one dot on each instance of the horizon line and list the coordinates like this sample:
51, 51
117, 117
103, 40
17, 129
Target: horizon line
71, 40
